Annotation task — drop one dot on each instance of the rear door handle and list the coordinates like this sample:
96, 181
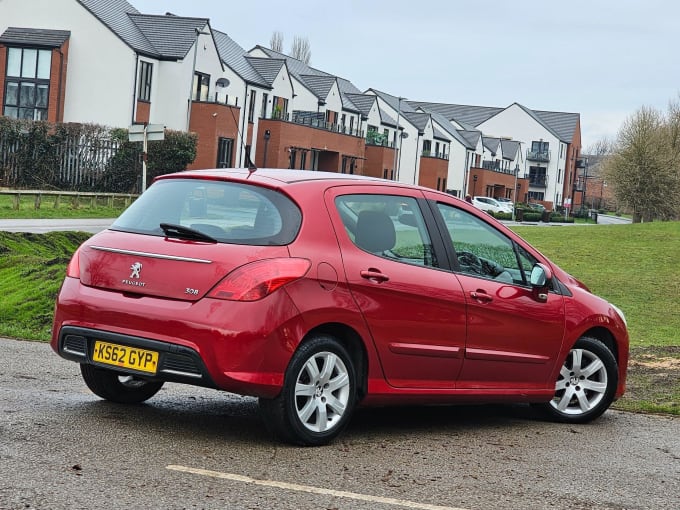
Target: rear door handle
481, 296
374, 275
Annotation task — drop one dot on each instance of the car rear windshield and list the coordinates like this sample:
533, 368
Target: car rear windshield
226, 212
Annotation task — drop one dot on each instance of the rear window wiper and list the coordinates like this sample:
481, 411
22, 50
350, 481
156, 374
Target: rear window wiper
181, 232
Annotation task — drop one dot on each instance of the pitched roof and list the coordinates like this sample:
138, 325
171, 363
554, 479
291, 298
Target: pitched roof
491, 143
35, 37
510, 148
451, 130
320, 86
393, 101
163, 37
235, 58
171, 36
471, 136
564, 124
472, 115
418, 119
363, 102
268, 68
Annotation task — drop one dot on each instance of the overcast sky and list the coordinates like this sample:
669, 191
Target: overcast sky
601, 58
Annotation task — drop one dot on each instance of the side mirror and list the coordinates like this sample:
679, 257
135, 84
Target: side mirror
540, 280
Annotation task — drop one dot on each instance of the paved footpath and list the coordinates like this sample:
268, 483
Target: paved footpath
38, 226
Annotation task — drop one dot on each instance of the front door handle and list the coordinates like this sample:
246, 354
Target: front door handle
481, 296
374, 275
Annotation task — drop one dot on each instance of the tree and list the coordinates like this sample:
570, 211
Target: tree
276, 42
301, 49
645, 165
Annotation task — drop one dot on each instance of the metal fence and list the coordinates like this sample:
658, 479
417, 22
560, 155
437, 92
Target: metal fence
76, 162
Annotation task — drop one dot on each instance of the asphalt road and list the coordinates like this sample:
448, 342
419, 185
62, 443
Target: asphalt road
63, 448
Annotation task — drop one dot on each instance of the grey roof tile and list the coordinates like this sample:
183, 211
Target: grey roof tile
418, 119
448, 127
564, 124
472, 115
114, 14
471, 136
363, 102
319, 85
268, 68
171, 36
439, 135
235, 58
393, 101
35, 37
491, 143
510, 149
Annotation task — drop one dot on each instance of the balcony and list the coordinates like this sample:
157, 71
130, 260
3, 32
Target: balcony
540, 156
315, 120
437, 155
538, 181
495, 166
378, 139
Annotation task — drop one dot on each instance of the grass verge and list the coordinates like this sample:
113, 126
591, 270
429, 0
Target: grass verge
66, 208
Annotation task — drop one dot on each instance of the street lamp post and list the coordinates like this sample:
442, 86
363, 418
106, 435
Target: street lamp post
396, 140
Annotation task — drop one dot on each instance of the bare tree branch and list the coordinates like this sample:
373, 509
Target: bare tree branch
276, 42
301, 49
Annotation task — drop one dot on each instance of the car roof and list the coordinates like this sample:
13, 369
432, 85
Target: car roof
280, 177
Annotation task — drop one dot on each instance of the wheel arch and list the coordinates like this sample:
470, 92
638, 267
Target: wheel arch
606, 337
355, 346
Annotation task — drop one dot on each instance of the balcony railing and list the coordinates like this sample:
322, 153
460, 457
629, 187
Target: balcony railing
378, 139
495, 166
542, 156
538, 181
315, 120
438, 155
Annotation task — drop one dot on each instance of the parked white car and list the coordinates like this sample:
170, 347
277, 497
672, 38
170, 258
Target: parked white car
489, 204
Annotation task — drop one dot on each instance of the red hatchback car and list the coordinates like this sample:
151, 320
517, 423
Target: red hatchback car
318, 292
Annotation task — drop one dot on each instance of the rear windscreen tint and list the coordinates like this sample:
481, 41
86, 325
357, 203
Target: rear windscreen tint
228, 212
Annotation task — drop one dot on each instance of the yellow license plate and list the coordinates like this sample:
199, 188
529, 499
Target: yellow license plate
125, 357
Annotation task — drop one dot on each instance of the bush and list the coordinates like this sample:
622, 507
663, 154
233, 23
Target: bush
84, 157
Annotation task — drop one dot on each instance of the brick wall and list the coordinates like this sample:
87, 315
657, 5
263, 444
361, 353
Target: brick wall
211, 121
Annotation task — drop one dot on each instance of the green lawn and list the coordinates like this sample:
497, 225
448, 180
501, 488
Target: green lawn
66, 208
636, 267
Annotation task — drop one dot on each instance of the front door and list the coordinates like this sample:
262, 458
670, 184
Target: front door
414, 309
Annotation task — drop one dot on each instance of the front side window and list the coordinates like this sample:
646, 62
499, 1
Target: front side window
389, 226
482, 251
27, 84
227, 212
145, 72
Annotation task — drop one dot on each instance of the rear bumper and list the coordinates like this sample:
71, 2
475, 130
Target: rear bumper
238, 347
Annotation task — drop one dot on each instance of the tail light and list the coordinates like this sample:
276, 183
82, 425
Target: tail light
257, 280
73, 268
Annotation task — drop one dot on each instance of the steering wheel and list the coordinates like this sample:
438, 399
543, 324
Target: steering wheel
471, 261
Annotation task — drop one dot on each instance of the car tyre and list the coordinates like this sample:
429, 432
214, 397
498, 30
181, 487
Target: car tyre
117, 387
318, 394
586, 385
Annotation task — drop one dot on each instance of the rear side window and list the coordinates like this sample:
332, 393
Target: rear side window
388, 226
226, 211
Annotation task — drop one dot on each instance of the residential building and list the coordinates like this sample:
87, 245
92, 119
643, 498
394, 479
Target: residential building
104, 62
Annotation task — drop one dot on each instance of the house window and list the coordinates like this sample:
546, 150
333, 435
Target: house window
251, 106
263, 110
427, 147
292, 158
201, 87
303, 159
351, 125
225, 149
27, 84
145, 71
536, 195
